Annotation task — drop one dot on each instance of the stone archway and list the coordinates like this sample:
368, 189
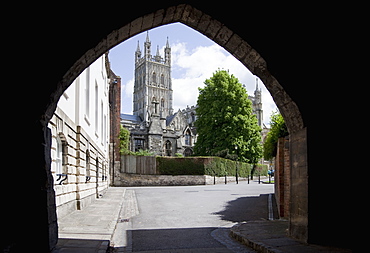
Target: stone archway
235, 45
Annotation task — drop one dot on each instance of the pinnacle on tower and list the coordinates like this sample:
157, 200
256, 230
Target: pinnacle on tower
167, 53
167, 44
138, 47
147, 37
158, 51
137, 52
147, 46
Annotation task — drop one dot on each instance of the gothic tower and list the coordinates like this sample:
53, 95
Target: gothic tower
153, 85
257, 104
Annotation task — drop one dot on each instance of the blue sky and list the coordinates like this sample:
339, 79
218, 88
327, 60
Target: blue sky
194, 59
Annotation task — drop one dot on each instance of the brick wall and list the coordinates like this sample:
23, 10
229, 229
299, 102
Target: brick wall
282, 177
115, 123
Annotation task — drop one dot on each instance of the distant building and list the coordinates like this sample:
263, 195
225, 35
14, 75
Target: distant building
154, 126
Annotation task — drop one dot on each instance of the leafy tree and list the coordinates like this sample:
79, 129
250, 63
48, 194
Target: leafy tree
225, 124
124, 140
278, 129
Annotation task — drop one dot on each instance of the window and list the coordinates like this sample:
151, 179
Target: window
102, 122
187, 138
168, 148
154, 78
162, 104
59, 156
96, 107
61, 160
139, 144
162, 79
155, 105
87, 92
87, 166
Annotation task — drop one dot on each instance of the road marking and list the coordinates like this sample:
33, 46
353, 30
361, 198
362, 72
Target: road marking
271, 213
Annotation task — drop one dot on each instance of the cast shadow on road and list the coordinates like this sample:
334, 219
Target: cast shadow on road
173, 238
248, 209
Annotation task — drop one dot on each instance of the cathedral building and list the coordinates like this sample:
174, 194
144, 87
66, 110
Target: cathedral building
154, 126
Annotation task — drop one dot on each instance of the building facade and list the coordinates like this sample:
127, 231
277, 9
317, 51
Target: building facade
80, 130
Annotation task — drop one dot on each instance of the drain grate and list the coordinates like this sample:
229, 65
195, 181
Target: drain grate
123, 220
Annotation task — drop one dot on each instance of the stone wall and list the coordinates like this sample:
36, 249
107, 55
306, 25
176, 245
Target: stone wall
126, 179
298, 222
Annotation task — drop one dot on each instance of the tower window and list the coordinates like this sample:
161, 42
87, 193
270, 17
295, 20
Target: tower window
154, 77
162, 79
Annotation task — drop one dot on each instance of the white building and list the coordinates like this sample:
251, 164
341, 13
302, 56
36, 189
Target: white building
80, 139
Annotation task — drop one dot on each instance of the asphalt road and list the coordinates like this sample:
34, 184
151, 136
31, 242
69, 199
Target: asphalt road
194, 218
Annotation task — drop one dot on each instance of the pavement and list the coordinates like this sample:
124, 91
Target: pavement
271, 237
113, 222
91, 229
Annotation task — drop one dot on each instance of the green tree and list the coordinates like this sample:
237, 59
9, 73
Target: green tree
124, 140
278, 129
225, 123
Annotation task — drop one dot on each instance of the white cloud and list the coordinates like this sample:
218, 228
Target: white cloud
192, 68
127, 91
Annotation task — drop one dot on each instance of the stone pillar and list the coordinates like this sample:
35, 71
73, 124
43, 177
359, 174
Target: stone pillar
279, 177
49, 191
298, 222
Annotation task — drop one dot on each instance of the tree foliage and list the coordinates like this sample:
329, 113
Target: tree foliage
124, 140
278, 129
225, 123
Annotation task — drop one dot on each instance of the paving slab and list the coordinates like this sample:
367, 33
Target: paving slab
272, 236
91, 229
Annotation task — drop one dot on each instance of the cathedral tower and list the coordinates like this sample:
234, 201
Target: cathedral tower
153, 85
257, 104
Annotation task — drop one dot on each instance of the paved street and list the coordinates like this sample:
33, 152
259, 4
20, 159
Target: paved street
188, 218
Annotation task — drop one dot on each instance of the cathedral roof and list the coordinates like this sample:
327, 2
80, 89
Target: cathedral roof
169, 119
130, 117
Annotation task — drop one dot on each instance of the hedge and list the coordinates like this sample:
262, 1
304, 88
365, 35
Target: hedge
213, 166
180, 166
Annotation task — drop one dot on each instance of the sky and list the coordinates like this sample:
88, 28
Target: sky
194, 58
